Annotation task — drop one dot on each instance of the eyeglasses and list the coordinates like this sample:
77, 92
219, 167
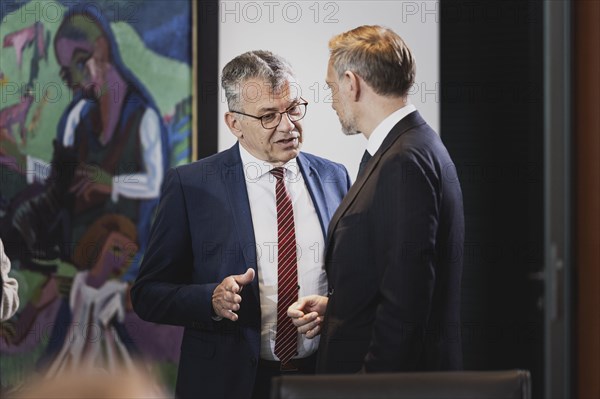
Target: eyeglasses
272, 119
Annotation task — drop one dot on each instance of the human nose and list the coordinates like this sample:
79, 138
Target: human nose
285, 124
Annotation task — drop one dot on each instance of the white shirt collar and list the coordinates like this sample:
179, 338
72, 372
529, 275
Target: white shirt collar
255, 168
381, 131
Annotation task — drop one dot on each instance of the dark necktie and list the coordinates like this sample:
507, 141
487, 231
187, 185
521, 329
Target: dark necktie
363, 162
286, 340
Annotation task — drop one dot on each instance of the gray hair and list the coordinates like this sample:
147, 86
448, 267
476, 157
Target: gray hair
259, 64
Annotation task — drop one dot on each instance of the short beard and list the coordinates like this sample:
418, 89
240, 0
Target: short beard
353, 132
349, 128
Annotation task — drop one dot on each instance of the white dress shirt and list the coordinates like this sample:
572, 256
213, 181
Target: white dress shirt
385, 126
310, 242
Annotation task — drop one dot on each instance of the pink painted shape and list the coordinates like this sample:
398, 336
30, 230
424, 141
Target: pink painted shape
19, 40
16, 114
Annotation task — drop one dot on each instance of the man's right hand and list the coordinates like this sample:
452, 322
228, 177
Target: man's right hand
307, 314
226, 299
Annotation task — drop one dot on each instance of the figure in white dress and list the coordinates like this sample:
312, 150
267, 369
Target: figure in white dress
98, 300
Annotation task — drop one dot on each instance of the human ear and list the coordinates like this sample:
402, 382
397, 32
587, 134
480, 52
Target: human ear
233, 123
353, 83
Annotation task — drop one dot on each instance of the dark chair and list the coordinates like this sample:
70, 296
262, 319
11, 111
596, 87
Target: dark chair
512, 384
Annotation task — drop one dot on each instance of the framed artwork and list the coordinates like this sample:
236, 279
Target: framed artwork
98, 100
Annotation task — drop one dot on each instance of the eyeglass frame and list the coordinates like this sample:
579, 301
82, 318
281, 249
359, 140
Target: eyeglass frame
305, 103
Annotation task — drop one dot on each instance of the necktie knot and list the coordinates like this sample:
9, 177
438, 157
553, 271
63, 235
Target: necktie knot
363, 162
278, 172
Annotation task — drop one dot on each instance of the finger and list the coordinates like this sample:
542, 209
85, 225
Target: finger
233, 301
224, 311
312, 315
307, 327
300, 304
304, 320
246, 278
232, 298
298, 323
231, 315
294, 313
313, 333
228, 305
228, 312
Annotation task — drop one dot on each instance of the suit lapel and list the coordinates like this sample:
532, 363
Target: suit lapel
314, 185
235, 183
408, 122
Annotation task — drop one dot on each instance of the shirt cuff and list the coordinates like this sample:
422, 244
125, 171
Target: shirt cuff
214, 315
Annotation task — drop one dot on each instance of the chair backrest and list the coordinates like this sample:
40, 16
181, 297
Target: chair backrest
511, 384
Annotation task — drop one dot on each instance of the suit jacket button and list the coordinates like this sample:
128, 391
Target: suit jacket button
331, 290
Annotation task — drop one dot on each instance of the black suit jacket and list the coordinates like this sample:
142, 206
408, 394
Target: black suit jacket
394, 261
203, 233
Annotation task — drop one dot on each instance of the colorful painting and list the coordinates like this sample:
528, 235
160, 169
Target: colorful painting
96, 104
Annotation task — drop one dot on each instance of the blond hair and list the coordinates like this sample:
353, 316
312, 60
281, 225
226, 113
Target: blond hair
376, 54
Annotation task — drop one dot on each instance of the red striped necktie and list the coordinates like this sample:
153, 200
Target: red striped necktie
286, 340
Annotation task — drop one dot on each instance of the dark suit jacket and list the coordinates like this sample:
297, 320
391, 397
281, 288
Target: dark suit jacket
203, 233
394, 261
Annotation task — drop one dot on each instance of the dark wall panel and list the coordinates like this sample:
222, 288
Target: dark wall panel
207, 17
492, 124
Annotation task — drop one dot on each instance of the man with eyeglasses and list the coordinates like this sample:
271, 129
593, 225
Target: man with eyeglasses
239, 236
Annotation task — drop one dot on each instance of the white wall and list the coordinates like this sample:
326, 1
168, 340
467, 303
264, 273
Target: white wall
299, 31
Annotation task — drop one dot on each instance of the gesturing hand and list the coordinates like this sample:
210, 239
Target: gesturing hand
307, 314
226, 299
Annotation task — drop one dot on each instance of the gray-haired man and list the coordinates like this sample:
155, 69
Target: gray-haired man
254, 215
